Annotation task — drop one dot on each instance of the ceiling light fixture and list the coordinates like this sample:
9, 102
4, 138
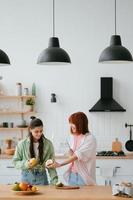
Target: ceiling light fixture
53, 55
4, 60
115, 53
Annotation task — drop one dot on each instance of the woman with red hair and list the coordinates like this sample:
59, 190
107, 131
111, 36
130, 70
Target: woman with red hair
82, 152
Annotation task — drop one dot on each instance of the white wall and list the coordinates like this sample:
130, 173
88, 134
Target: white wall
84, 28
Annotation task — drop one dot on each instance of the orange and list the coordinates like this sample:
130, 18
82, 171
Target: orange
23, 186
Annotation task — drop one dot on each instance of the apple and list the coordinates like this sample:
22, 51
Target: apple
49, 162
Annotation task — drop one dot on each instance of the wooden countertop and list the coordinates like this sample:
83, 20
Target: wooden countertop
128, 156
51, 193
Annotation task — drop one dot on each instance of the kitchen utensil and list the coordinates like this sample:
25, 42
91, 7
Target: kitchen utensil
116, 146
129, 143
68, 187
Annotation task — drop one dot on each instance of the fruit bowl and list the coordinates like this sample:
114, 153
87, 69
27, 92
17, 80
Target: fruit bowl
25, 192
23, 188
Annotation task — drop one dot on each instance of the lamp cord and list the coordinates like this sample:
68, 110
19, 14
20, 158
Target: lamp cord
115, 17
53, 18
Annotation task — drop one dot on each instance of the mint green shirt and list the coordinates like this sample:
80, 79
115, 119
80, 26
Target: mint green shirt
22, 155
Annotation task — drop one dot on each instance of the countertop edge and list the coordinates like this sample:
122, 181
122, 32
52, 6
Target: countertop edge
128, 156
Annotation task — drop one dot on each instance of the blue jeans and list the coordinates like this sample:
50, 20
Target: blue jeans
75, 179
34, 177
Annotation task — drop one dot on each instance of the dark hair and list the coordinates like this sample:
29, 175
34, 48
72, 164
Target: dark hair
36, 122
80, 120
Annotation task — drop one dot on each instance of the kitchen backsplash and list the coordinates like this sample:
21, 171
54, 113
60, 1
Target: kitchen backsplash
77, 87
105, 126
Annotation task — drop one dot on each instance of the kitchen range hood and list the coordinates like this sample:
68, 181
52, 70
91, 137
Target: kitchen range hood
106, 102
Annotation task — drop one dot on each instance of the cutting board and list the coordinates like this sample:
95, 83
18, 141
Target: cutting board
68, 187
116, 145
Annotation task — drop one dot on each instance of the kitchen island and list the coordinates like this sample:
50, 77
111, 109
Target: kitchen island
51, 193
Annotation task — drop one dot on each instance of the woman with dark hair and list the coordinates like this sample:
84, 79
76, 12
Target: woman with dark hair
82, 153
31, 155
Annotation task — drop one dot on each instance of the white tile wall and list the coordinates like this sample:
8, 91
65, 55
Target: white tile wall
84, 29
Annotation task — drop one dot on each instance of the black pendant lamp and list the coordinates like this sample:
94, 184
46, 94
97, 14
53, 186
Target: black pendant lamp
53, 55
115, 53
4, 60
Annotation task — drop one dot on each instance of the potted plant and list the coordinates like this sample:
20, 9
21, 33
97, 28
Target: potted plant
30, 103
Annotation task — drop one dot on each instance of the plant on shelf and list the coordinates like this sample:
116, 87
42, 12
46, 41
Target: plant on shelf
30, 103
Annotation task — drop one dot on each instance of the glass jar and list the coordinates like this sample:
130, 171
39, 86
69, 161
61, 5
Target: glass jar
26, 91
18, 89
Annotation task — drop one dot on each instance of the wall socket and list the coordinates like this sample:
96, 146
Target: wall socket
1, 77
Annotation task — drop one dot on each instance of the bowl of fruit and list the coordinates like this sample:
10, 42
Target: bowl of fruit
23, 188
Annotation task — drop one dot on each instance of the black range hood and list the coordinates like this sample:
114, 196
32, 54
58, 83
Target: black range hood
106, 102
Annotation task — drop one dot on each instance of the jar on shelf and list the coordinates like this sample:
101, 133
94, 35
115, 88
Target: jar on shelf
18, 89
26, 91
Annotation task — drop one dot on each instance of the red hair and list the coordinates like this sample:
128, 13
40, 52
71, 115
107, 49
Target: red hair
80, 120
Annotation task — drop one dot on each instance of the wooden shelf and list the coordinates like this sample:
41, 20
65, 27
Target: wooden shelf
16, 97
18, 109
17, 112
5, 156
13, 129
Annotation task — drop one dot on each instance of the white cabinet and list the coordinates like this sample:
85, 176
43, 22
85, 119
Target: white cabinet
122, 170
8, 174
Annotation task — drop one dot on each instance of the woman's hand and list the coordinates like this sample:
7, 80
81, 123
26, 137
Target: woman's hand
65, 162
30, 165
54, 165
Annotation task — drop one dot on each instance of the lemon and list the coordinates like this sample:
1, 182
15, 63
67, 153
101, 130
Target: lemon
33, 161
34, 189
